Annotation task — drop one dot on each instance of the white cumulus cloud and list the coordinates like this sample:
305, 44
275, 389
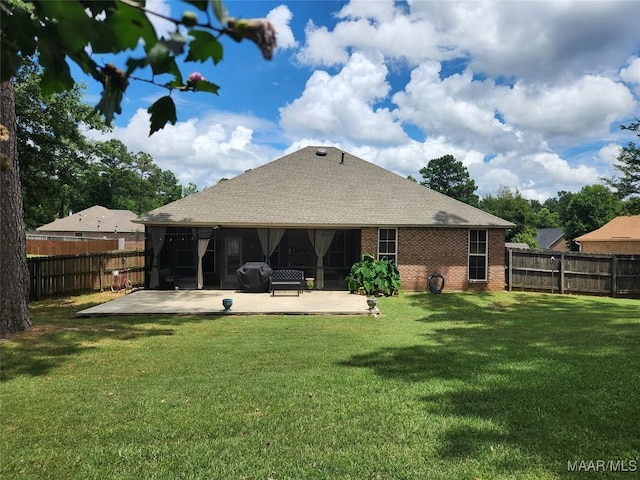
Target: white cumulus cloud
342, 105
280, 17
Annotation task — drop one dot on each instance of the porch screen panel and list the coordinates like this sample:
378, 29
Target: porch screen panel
157, 241
269, 240
321, 241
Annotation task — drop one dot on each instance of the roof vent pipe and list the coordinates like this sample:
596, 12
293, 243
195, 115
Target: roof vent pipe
342, 159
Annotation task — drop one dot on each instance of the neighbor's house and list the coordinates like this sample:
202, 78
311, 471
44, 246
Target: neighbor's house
98, 222
319, 210
621, 235
551, 239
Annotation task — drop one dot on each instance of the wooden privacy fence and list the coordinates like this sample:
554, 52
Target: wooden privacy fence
573, 272
65, 274
63, 246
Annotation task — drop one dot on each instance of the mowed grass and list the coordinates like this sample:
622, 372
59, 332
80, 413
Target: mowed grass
451, 386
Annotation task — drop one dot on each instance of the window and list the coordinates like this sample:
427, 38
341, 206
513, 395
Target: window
388, 244
477, 254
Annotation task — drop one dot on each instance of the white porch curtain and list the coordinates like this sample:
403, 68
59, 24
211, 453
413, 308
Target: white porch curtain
269, 240
157, 241
203, 243
321, 241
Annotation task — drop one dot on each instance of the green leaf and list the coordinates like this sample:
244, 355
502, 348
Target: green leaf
135, 63
96, 7
175, 44
56, 76
205, 86
106, 40
174, 84
22, 41
204, 46
199, 4
74, 27
85, 62
129, 24
162, 61
220, 11
110, 102
162, 111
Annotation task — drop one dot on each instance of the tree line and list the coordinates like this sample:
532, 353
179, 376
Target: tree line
575, 213
62, 171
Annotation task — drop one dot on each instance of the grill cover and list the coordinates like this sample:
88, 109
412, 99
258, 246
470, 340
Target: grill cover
254, 277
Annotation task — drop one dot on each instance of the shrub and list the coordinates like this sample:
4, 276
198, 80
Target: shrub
374, 276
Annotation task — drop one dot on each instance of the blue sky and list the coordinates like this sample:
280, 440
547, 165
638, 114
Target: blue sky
528, 95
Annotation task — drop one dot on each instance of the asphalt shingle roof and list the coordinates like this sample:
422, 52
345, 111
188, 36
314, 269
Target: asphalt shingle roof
546, 237
620, 229
304, 189
94, 219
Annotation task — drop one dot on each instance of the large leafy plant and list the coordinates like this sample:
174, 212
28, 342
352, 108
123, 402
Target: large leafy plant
375, 277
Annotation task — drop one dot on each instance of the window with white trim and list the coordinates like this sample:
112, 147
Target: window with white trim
388, 244
478, 248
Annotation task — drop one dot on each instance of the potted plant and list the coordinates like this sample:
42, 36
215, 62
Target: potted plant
375, 277
310, 281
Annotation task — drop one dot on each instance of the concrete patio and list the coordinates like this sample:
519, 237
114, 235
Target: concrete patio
186, 302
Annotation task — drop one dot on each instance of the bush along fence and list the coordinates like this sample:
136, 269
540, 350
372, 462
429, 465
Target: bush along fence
573, 273
66, 274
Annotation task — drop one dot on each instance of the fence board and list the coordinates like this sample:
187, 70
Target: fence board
573, 272
67, 274
65, 246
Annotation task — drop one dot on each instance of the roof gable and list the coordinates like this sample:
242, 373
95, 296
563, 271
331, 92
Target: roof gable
304, 189
94, 219
618, 229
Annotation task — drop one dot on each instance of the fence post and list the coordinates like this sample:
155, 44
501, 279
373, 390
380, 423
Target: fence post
561, 273
101, 271
510, 270
37, 267
614, 275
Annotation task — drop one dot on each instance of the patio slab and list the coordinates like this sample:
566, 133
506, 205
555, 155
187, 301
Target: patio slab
185, 302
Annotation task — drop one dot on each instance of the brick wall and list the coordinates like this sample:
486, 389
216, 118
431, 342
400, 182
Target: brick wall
618, 247
369, 241
423, 251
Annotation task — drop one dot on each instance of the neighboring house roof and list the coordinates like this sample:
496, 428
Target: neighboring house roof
305, 189
547, 237
95, 219
621, 229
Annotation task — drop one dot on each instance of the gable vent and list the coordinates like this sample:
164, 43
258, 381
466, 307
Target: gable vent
321, 152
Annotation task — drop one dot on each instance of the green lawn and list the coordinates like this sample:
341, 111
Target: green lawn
451, 386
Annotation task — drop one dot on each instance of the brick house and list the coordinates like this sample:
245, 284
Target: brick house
620, 236
319, 210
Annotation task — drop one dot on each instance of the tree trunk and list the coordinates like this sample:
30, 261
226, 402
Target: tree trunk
14, 272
